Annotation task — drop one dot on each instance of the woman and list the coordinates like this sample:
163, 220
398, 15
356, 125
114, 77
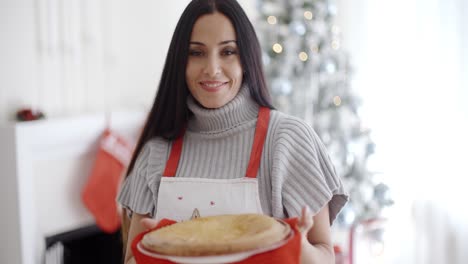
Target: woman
213, 127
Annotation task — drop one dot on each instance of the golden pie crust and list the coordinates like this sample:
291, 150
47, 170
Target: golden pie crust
216, 235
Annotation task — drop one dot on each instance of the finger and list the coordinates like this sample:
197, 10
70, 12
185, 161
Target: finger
306, 215
148, 223
311, 218
303, 220
306, 220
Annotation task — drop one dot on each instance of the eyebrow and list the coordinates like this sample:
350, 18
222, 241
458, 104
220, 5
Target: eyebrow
221, 43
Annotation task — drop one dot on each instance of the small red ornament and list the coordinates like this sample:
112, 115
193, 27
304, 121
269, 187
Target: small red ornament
27, 114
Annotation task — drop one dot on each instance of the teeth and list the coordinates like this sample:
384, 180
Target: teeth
212, 85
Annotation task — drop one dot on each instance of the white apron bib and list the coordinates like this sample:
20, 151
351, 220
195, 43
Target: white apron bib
180, 198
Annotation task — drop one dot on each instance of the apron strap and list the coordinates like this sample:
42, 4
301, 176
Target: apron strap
259, 140
173, 161
255, 155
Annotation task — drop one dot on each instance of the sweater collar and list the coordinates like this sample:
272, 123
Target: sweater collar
241, 109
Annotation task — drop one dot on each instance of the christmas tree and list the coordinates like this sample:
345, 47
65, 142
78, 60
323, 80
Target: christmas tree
309, 75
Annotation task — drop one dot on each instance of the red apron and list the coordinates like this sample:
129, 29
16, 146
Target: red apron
180, 197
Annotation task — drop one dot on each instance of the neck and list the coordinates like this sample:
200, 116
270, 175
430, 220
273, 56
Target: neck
242, 108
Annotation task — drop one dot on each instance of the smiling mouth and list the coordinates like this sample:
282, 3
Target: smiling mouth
212, 86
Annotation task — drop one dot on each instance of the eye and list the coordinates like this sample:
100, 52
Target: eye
195, 53
228, 52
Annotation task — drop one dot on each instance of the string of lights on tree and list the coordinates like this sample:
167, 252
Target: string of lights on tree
309, 76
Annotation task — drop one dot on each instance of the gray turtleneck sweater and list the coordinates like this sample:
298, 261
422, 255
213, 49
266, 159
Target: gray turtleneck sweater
295, 169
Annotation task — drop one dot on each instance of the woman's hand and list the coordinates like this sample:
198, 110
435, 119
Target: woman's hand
316, 246
306, 221
148, 223
139, 223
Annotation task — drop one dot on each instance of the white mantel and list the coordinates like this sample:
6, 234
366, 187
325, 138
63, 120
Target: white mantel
44, 166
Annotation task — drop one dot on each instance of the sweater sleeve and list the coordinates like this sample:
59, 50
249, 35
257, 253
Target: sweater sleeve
139, 191
305, 170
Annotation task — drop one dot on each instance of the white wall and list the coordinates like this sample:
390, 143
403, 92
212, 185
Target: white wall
71, 57
10, 242
18, 72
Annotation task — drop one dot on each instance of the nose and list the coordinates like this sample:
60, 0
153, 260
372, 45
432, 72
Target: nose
212, 66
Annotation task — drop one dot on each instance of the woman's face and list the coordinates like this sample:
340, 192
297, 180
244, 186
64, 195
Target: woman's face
214, 71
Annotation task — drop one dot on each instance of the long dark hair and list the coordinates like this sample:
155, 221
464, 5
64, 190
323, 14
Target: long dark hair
169, 112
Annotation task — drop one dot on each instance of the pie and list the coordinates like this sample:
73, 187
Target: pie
216, 235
